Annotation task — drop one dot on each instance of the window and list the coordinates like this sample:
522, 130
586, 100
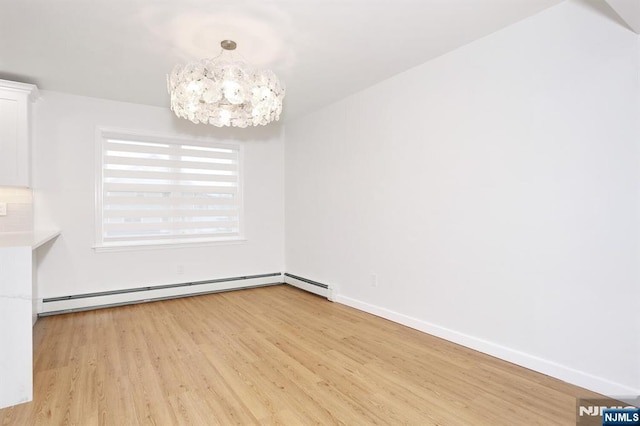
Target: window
157, 190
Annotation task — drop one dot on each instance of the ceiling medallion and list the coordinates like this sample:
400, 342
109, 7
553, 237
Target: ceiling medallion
225, 91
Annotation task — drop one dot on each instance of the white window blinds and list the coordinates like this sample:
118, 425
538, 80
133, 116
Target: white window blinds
156, 191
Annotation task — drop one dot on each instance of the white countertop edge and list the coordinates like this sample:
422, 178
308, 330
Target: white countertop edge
41, 237
27, 239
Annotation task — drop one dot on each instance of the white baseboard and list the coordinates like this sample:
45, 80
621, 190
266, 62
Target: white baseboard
148, 294
550, 368
320, 291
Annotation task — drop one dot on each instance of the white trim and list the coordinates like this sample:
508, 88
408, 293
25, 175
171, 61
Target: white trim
98, 179
550, 368
30, 89
135, 247
240, 193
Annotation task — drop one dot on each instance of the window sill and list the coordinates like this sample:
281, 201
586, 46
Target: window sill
168, 246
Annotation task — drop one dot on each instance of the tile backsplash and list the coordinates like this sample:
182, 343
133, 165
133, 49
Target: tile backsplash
19, 216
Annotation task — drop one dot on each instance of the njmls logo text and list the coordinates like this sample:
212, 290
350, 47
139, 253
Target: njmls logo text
592, 410
618, 411
615, 417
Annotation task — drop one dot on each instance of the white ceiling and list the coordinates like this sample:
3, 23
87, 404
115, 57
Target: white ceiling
323, 50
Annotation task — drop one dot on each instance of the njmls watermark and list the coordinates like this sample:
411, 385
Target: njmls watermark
618, 411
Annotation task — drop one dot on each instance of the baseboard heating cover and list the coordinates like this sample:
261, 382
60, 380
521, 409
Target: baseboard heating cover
106, 299
309, 285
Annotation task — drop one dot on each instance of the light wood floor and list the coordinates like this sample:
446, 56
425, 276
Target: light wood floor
273, 355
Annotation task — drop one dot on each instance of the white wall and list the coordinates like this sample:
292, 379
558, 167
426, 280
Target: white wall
64, 179
494, 194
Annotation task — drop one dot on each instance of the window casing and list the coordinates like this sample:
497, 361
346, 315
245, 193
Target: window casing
159, 191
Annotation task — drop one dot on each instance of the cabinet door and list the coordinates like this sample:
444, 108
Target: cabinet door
14, 139
16, 355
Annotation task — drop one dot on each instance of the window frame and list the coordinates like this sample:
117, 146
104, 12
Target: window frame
105, 133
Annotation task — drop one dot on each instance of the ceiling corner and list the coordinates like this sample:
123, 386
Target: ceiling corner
629, 12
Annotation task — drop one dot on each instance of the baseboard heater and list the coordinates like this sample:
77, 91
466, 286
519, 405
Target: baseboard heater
309, 285
108, 299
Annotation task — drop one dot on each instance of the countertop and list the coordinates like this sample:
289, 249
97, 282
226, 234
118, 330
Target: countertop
27, 239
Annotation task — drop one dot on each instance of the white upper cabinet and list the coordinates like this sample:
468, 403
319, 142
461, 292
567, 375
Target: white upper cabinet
15, 148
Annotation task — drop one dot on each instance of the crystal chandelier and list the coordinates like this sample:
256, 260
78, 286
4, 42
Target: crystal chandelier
225, 91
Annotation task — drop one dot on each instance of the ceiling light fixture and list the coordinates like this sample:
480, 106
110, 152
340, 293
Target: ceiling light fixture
225, 91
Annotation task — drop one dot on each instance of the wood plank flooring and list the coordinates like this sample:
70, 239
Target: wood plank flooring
272, 355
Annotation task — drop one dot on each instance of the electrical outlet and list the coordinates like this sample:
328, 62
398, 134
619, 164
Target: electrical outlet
180, 269
3, 209
374, 280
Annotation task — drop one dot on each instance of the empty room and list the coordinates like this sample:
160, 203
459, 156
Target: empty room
420, 212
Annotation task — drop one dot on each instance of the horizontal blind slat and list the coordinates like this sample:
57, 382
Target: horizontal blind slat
170, 213
125, 187
167, 201
167, 226
156, 162
168, 175
169, 150
188, 238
